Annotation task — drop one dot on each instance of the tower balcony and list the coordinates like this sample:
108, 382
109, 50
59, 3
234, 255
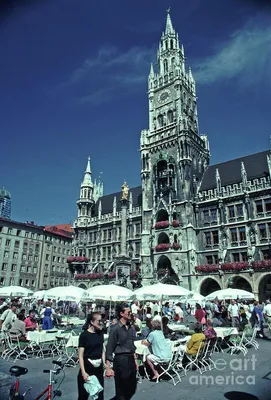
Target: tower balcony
161, 225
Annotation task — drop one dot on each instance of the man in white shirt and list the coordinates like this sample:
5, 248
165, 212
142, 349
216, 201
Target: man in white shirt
178, 312
135, 308
233, 313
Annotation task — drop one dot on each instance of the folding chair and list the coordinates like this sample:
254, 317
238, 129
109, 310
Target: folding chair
236, 344
251, 340
193, 359
169, 368
205, 358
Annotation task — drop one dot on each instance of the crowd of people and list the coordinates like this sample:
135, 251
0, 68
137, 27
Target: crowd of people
146, 322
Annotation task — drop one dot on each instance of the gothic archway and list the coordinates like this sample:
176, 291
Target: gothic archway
163, 238
265, 288
162, 215
208, 286
82, 286
165, 271
238, 282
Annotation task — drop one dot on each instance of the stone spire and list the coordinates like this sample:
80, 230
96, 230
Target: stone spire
151, 75
218, 180
169, 27
87, 182
244, 174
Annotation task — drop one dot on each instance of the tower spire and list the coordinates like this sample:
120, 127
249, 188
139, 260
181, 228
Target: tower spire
169, 27
87, 176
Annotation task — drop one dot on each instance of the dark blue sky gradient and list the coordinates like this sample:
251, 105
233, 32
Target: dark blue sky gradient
74, 81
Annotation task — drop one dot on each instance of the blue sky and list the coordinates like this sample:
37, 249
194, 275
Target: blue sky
73, 78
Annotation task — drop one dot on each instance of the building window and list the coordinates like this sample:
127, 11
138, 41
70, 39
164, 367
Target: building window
233, 232
37, 247
30, 258
10, 231
22, 268
213, 213
242, 234
15, 255
208, 240
29, 270
11, 281
18, 233
236, 257
13, 267
267, 205
47, 257
231, 211
209, 259
206, 216
8, 242
262, 231
24, 257
239, 210
2, 281
244, 256
215, 237
17, 244
6, 254
4, 267
26, 234
259, 206
36, 258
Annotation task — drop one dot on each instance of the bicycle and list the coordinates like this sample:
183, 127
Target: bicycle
17, 371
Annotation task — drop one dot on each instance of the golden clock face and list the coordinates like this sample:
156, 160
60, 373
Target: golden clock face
164, 96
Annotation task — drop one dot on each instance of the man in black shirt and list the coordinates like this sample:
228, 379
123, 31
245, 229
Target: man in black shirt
121, 344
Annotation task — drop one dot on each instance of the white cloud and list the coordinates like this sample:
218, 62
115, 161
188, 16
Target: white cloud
109, 70
246, 56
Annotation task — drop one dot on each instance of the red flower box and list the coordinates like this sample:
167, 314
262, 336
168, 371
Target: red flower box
261, 265
162, 247
112, 275
175, 246
161, 225
175, 223
235, 266
207, 268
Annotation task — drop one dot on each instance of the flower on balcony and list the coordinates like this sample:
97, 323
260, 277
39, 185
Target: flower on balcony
134, 274
175, 246
89, 276
207, 268
112, 275
261, 265
235, 266
175, 223
161, 225
162, 247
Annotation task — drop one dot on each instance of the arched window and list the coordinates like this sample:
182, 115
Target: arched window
160, 120
162, 215
163, 238
85, 193
165, 66
143, 163
170, 116
166, 44
171, 44
173, 61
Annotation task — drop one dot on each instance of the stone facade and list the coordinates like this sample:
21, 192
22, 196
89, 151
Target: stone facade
33, 256
204, 226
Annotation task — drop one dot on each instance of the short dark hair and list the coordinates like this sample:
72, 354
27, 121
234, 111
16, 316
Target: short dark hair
198, 327
120, 309
21, 316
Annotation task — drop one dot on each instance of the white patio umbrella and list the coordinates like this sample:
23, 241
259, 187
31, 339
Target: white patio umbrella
68, 293
39, 294
15, 291
159, 291
230, 294
109, 293
195, 298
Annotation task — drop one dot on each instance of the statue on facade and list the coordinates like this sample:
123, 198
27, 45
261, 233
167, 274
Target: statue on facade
125, 191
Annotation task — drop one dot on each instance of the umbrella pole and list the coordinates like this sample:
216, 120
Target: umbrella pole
109, 316
143, 314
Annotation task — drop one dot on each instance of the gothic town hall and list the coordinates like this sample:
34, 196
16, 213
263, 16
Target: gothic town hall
203, 226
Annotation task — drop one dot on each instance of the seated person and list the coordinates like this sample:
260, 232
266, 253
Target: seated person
161, 351
156, 317
30, 322
147, 329
196, 340
18, 329
209, 332
217, 320
166, 330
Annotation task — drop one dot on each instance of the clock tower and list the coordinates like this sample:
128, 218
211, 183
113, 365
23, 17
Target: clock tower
174, 158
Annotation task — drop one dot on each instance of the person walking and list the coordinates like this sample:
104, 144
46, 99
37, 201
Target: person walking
91, 354
121, 344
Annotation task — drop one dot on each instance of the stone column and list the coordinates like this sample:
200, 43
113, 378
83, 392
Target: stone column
124, 206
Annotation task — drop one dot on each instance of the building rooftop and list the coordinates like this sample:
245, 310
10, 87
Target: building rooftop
108, 200
230, 171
